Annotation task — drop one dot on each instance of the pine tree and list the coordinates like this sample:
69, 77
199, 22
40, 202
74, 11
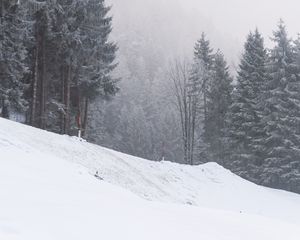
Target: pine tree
12, 58
282, 117
72, 62
200, 81
219, 100
97, 52
63, 43
203, 51
96, 56
245, 129
294, 89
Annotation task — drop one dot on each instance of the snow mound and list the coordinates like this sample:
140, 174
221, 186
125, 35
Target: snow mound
49, 191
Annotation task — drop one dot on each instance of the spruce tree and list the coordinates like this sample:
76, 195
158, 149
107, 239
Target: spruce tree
219, 101
96, 56
245, 130
282, 118
66, 19
74, 61
200, 81
97, 51
12, 58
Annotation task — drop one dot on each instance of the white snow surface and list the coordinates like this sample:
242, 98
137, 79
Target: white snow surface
48, 191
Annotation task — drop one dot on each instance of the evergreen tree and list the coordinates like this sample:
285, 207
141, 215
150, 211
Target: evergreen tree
72, 62
96, 57
200, 82
12, 57
203, 54
97, 52
219, 100
282, 117
67, 18
245, 129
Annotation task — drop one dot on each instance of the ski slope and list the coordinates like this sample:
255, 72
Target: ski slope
48, 191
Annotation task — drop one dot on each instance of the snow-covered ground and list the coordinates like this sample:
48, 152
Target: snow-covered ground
48, 191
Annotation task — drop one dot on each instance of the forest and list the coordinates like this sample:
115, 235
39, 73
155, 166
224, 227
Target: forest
61, 71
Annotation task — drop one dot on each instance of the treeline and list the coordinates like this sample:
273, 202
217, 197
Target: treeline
253, 126
56, 63
55, 59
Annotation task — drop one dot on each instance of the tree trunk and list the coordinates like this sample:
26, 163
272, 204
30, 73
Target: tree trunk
186, 132
86, 106
5, 110
205, 109
2, 11
43, 84
62, 114
34, 87
193, 123
67, 84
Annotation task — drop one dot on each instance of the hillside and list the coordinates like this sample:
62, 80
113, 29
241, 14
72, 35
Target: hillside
48, 191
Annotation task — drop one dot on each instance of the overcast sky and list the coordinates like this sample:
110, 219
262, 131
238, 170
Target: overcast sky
236, 17
177, 24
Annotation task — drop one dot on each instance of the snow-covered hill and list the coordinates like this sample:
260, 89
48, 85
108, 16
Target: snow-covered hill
48, 191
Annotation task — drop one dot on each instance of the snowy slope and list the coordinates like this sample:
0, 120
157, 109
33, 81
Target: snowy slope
48, 191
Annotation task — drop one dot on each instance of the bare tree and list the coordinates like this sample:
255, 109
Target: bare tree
186, 89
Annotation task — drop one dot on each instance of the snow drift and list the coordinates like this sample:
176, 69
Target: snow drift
48, 191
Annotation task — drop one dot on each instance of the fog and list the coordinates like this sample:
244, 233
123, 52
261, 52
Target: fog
236, 17
174, 25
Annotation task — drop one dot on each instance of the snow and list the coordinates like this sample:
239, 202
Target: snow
48, 191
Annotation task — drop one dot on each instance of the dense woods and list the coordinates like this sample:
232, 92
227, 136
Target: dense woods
55, 59
56, 73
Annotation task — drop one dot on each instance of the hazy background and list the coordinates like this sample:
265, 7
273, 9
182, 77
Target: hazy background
141, 119
174, 25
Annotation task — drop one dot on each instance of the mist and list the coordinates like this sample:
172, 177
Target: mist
175, 25
190, 102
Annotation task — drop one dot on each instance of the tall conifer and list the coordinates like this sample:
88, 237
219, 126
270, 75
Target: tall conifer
245, 129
